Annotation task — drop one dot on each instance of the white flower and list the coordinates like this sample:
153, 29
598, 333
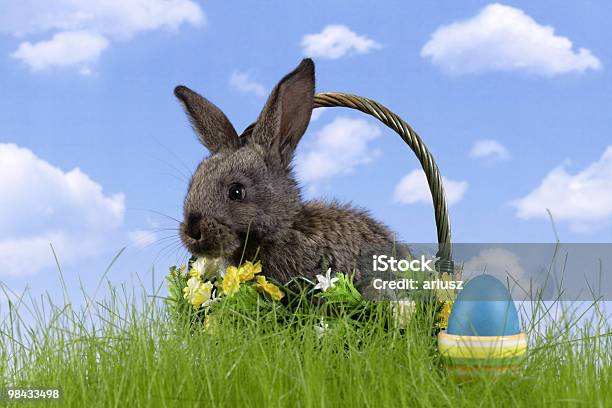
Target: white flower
326, 282
206, 268
403, 312
199, 265
321, 328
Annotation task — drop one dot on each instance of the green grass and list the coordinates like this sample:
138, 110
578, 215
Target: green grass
127, 350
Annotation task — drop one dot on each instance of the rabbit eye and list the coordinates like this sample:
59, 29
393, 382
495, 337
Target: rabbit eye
236, 192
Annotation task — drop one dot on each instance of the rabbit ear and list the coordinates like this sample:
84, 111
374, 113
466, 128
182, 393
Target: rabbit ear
286, 114
212, 126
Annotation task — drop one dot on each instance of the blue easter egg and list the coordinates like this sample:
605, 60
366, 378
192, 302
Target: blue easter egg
484, 308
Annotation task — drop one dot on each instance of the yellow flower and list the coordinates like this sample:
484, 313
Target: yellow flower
192, 285
268, 288
248, 270
177, 271
197, 292
231, 281
444, 314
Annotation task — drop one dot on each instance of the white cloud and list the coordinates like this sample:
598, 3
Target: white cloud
65, 49
142, 238
243, 82
41, 204
583, 199
413, 188
498, 262
489, 148
503, 38
338, 148
316, 113
81, 30
336, 41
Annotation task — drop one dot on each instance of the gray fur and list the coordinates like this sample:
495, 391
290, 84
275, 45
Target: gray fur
292, 237
216, 132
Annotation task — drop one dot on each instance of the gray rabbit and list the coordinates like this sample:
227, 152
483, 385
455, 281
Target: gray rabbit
246, 188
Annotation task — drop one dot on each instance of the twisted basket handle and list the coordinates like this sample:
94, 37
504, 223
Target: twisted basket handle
408, 135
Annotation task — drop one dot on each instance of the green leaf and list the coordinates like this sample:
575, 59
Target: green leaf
344, 291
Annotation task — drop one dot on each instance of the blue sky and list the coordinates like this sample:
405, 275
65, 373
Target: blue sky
512, 99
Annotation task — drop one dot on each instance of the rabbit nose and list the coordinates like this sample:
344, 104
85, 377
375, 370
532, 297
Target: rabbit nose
193, 226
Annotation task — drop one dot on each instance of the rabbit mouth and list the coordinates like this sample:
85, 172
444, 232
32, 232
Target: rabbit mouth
212, 250
209, 239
